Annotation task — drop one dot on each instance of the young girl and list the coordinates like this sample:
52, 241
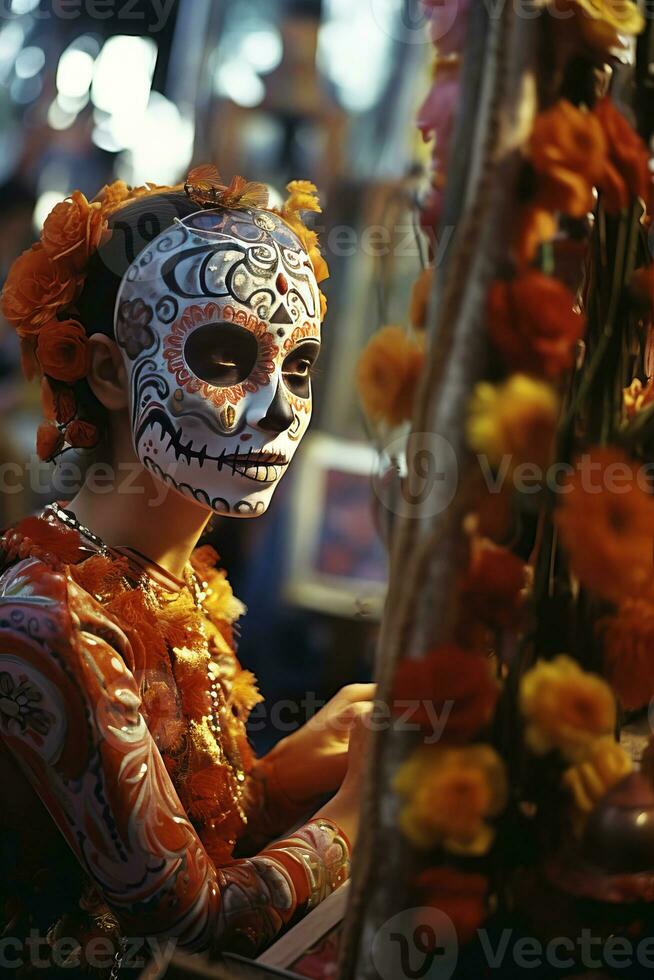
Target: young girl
175, 330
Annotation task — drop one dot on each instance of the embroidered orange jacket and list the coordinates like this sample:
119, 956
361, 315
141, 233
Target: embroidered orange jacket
117, 701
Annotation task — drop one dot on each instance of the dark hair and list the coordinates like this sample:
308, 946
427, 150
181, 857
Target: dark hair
133, 227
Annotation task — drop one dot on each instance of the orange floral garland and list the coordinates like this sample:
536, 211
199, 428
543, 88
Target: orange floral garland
39, 299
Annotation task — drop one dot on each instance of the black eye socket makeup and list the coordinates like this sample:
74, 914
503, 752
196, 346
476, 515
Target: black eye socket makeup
222, 354
298, 366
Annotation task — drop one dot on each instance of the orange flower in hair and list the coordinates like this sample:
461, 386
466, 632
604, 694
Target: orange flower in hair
73, 230
58, 404
82, 435
49, 440
28, 362
63, 350
36, 289
112, 195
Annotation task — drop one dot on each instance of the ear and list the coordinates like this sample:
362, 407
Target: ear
107, 376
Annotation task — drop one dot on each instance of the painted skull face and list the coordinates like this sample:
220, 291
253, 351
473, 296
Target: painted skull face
218, 320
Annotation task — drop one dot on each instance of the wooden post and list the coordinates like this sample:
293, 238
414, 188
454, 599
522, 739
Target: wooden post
498, 103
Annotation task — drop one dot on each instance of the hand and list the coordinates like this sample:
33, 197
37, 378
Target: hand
314, 760
344, 808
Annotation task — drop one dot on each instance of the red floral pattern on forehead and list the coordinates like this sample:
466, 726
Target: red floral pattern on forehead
197, 316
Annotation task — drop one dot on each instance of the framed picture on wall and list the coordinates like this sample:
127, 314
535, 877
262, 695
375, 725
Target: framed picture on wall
337, 559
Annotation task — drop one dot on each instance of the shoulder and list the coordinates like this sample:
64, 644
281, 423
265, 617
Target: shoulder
42, 598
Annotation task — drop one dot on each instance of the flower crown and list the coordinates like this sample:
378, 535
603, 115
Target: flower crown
43, 285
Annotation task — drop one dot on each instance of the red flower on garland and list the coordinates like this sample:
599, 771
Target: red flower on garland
461, 896
449, 676
628, 641
626, 173
494, 585
533, 324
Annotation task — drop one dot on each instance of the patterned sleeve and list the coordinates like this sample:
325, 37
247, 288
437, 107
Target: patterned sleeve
78, 734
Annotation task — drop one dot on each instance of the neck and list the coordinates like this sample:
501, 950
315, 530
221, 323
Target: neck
145, 515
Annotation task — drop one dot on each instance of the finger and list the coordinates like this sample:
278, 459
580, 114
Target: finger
340, 719
357, 715
358, 692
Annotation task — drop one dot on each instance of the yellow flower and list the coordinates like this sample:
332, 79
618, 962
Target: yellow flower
220, 601
451, 794
516, 419
388, 373
602, 21
604, 766
565, 708
303, 196
637, 397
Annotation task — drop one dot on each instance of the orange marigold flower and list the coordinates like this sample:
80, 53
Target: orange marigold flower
603, 21
516, 420
460, 895
387, 375
569, 153
637, 397
420, 296
606, 521
36, 289
49, 440
73, 230
564, 707
112, 196
82, 435
533, 323
451, 794
628, 641
63, 350
449, 677
493, 588
303, 196
626, 174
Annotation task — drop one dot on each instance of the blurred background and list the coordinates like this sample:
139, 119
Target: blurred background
93, 90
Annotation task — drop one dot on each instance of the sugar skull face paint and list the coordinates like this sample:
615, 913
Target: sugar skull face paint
218, 321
